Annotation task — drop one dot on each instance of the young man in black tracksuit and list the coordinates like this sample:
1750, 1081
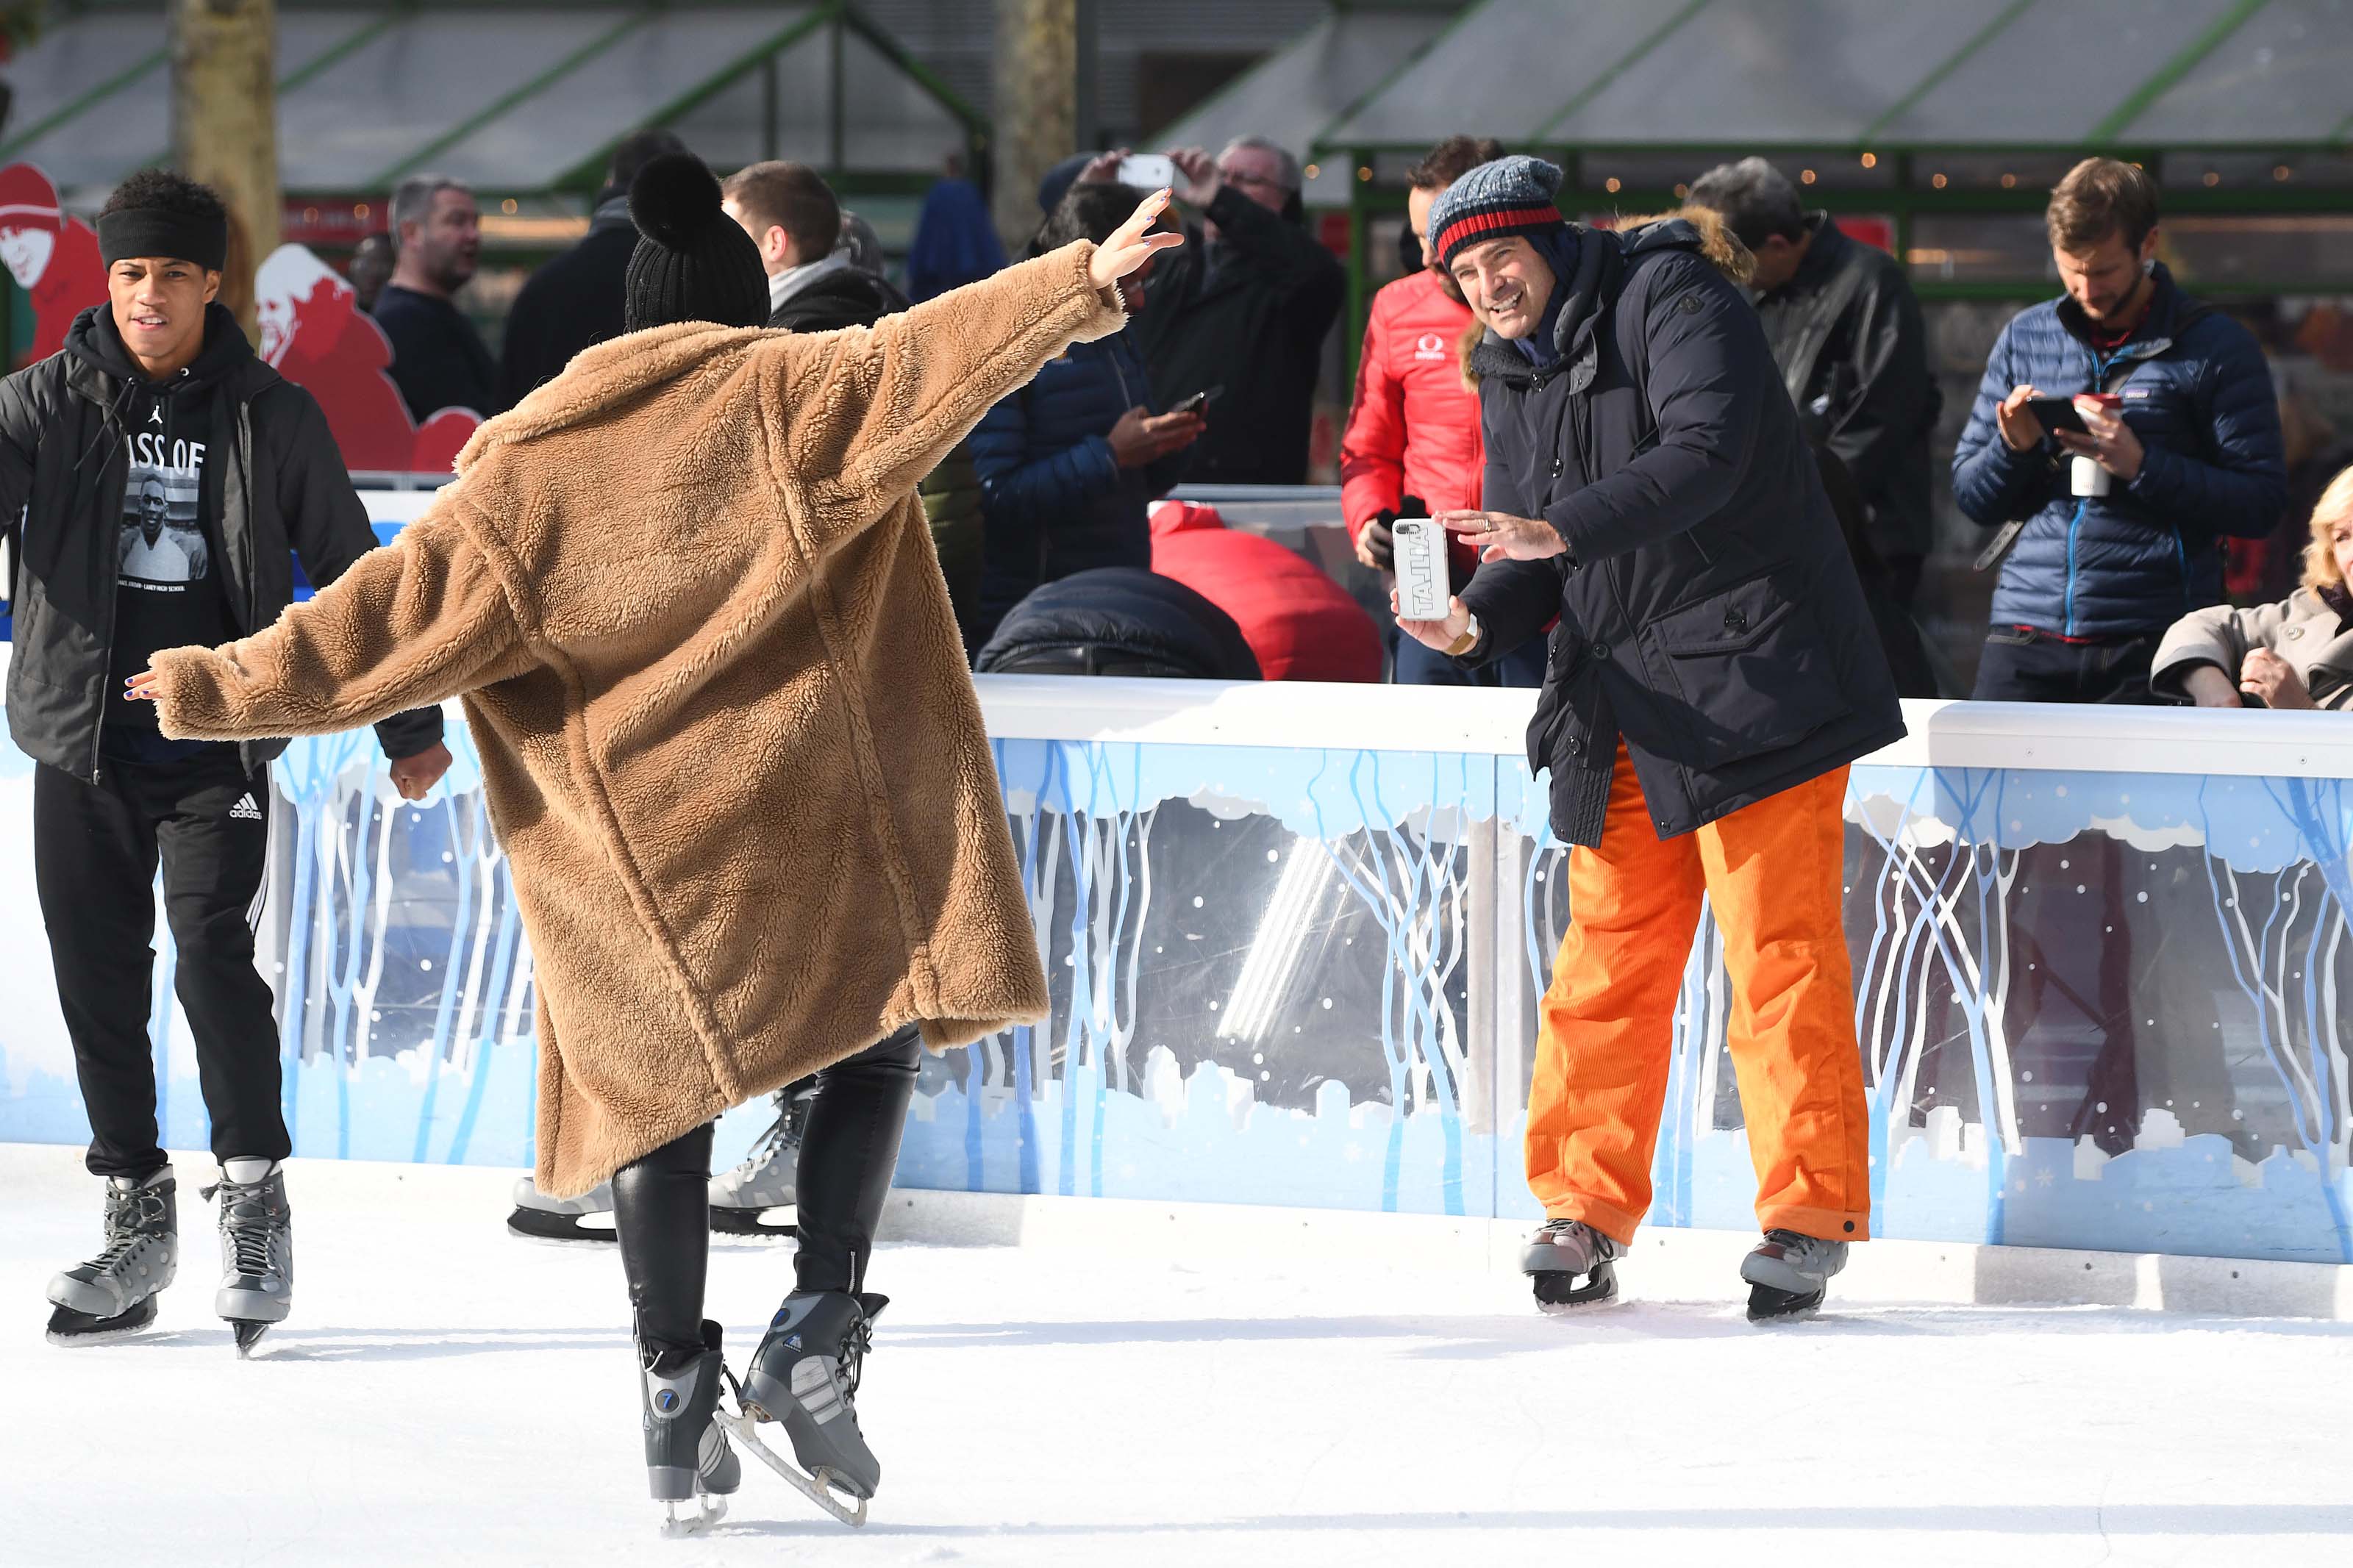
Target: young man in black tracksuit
163, 474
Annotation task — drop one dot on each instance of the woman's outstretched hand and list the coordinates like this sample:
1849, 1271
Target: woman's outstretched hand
1130, 246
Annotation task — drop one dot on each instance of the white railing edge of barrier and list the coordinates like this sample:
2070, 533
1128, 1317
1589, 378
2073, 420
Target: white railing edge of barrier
2022, 735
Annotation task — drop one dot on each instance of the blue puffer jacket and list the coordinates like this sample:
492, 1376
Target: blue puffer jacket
1056, 500
2141, 557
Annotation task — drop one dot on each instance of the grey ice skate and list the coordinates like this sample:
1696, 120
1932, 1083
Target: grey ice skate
1788, 1273
113, 1294
256, 1233
538, 1217
764, 1180
687, 1454
805, 1374
1571, 1265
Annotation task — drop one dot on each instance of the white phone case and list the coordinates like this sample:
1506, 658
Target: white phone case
1420, 557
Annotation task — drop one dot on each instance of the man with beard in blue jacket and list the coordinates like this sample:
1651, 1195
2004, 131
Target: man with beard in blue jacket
2110, 536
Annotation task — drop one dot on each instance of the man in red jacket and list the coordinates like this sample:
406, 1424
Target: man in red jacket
1412, 446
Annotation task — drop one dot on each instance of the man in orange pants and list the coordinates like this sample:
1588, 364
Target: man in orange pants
1713, 673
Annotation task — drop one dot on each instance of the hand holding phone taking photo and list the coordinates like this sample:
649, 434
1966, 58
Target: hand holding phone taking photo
1147, 171
1418, 553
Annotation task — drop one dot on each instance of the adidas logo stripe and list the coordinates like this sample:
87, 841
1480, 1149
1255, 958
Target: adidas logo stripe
245, 810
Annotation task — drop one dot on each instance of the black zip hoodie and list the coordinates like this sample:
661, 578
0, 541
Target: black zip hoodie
271, 487
170, 589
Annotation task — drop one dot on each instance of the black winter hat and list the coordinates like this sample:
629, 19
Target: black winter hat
693, 263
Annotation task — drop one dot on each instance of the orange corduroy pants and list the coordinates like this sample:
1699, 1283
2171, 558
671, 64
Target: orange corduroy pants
1771, 873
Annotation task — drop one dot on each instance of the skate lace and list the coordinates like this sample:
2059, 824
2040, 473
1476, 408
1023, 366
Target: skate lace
125, 1213
784, 1130
855, 1343
246, 1221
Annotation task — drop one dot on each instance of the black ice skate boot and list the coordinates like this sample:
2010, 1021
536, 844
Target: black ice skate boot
113, 1294
257, 1236
1788, 1273
538, 1217
806, 1373
765, 1178
687, 1454
1565, 1252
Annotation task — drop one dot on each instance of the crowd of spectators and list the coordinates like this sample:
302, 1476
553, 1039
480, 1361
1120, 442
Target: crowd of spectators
2101, 537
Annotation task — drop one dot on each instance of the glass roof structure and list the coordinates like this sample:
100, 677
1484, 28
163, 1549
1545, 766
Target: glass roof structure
1765, 74
512, 97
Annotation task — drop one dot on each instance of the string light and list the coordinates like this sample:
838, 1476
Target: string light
1805, 176
2010, 182
2212, 178
1871, 160
1937, 181
1313, 171
1611, 184
2280, 171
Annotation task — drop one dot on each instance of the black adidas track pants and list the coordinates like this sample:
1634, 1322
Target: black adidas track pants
95, 849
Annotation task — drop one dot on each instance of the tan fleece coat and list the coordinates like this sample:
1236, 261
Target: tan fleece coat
727, 736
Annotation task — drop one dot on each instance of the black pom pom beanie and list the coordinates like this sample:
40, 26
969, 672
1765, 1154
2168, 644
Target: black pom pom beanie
693, 263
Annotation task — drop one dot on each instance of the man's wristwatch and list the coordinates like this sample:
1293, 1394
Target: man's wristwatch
1466, 642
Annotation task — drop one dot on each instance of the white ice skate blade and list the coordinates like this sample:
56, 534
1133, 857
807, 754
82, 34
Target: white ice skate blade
817, 1489
711, 1510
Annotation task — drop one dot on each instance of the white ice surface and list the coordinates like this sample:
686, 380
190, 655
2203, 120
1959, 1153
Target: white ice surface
444, 1394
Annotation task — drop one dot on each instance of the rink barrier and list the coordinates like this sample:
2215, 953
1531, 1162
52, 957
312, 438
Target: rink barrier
1297, 936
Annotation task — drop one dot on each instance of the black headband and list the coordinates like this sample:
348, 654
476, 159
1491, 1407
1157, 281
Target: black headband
152, 231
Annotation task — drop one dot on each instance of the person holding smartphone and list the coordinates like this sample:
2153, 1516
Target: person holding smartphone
1070, 463
2112, 530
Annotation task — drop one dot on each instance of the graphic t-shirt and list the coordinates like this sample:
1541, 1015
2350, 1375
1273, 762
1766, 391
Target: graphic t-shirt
169, 589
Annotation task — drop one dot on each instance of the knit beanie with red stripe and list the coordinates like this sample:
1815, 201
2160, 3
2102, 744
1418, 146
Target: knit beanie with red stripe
1510, 195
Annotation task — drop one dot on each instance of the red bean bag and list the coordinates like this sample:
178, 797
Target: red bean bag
1302, 624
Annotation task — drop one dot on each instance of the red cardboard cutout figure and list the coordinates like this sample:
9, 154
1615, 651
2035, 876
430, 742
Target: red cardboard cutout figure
314, 333
53, 257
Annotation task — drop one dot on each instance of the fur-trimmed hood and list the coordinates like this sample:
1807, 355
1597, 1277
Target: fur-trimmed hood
727, 736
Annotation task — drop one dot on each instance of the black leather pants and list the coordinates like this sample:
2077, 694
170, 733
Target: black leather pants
661, 1202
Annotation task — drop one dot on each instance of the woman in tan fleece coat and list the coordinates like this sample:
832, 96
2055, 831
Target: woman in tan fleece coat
729, 743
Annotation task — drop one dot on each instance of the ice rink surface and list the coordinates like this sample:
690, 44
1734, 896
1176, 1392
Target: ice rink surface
444, 1395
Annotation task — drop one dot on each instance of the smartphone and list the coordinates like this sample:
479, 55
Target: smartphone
1420, 564
2055, 413
1198, 402
1147, 171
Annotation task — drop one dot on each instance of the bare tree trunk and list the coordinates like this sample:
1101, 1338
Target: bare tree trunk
1036, 107
225, 126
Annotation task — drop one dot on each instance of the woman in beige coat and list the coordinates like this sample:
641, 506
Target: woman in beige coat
729, 744
2297, 653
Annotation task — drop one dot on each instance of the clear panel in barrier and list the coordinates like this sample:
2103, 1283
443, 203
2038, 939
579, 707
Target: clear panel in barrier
1261, 962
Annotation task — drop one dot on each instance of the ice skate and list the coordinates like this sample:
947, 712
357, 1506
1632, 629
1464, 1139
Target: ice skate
805, 1375
1787, 1274
687, 1454
112, 1296
1565, 1252
764, 1180
538, 1217
257, 1232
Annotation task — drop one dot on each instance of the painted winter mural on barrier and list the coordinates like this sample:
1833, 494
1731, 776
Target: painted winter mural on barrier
2099, 1010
